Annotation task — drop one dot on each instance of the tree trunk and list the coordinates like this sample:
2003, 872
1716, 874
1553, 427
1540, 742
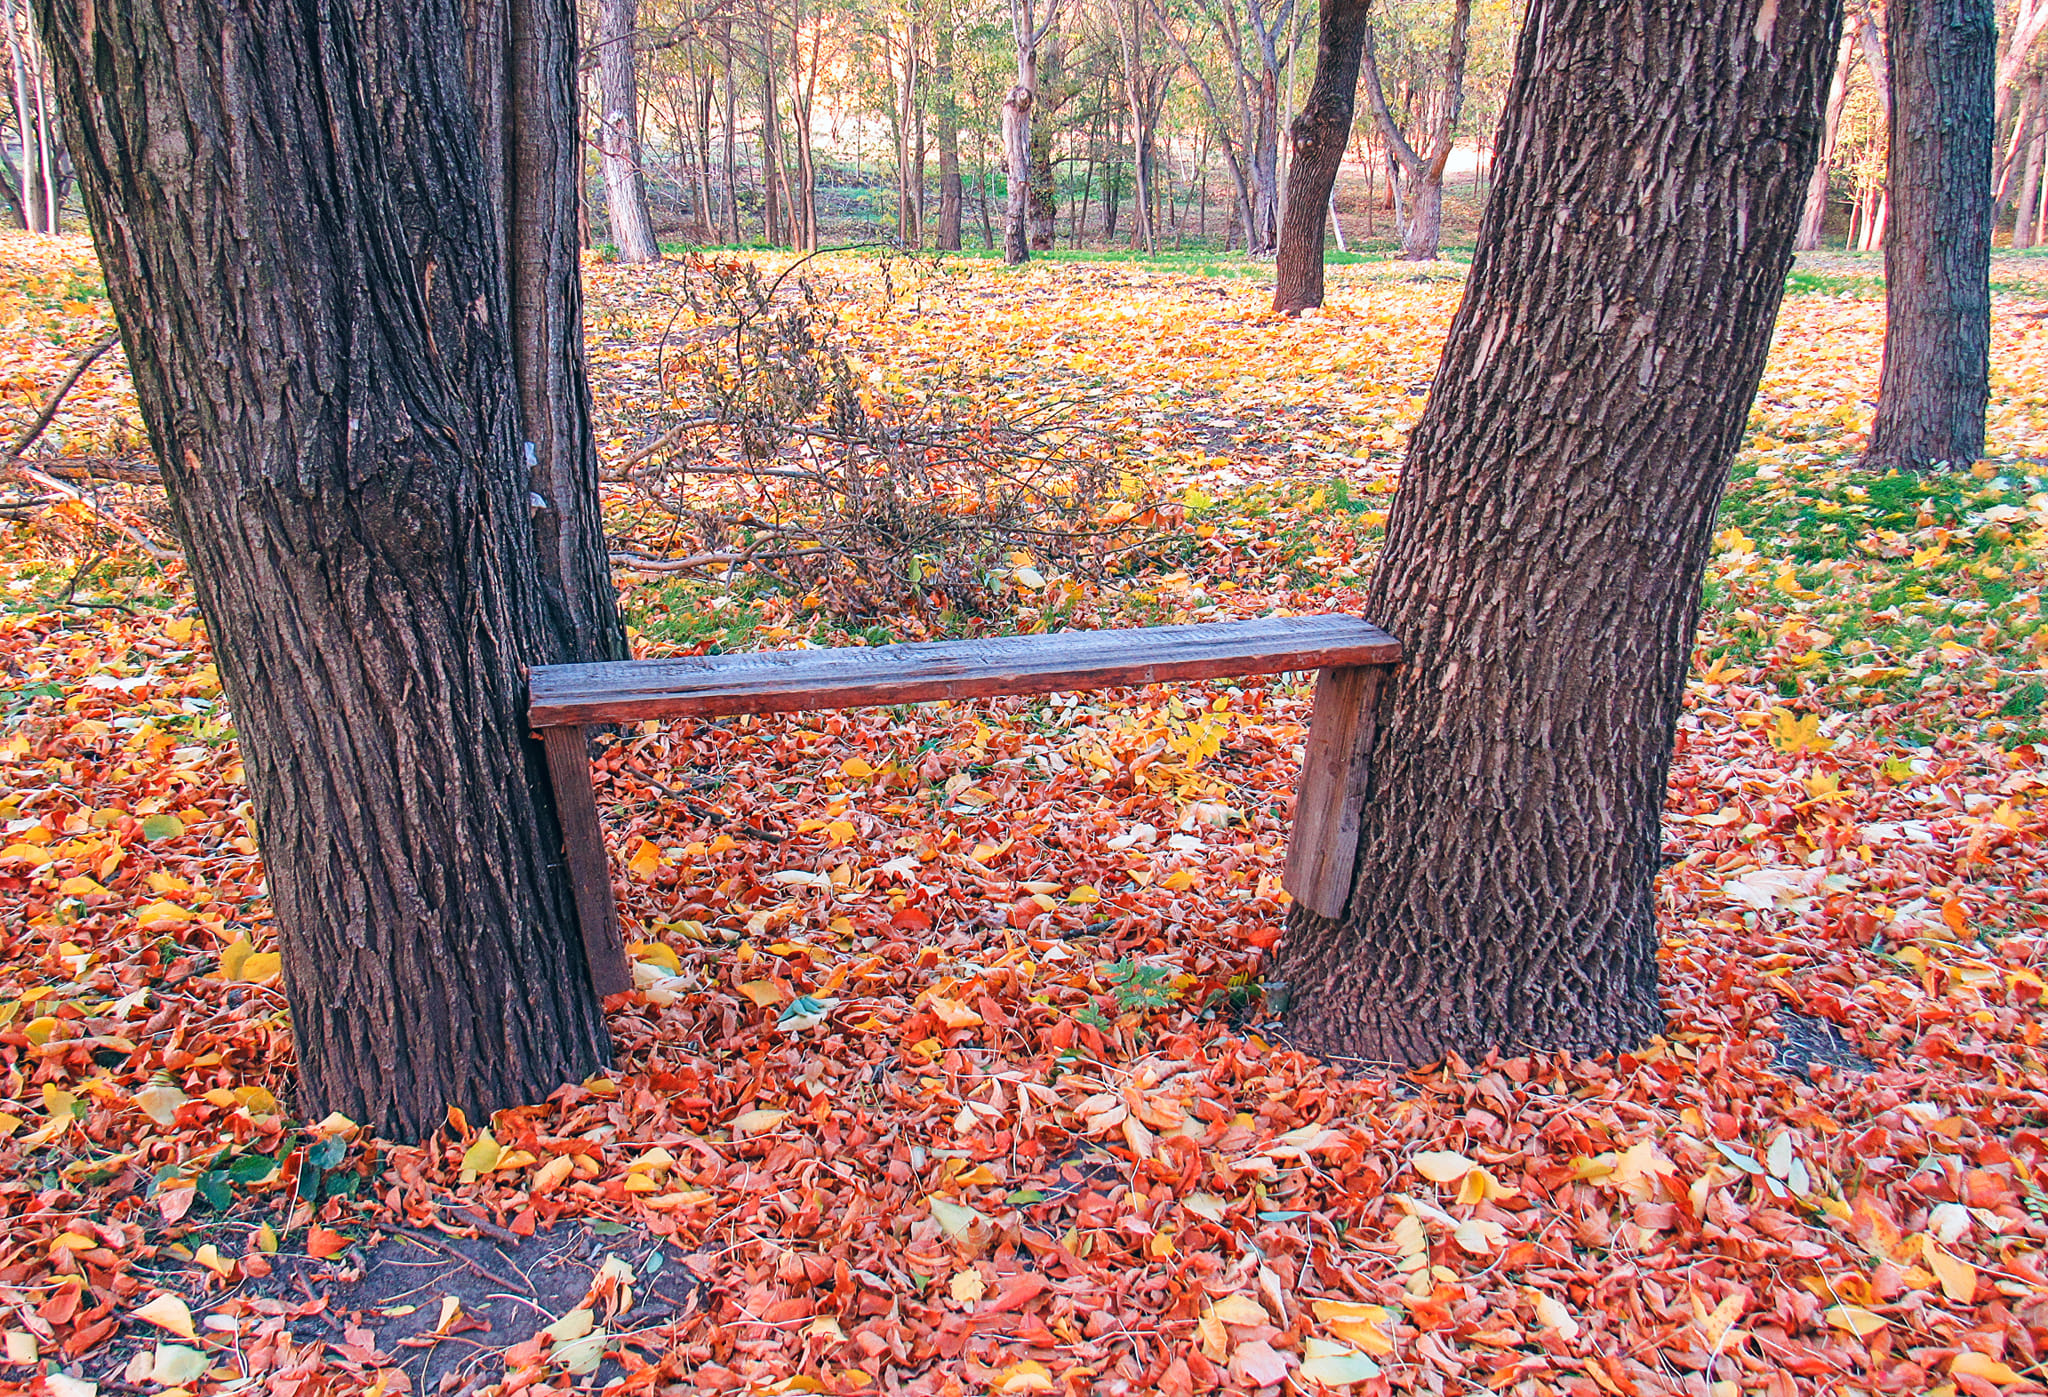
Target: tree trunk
618, 127
1263, 230
1813, 222
522, 77
1319, 136
1419, 189
1936, 379
1045, 204
1017, 159
339, 429
1543, 560
2030, 190
948, 134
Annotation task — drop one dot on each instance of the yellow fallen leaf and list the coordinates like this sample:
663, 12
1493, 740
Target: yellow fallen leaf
854, 769
261, 966
1357, 1324
1240, 1309
645, 861
1972, 1364
168, 1312
764, 993
1958, 1277
952, 1013
967, 1287
754, 1122
481, 1156
1442, 1166
1855, 1319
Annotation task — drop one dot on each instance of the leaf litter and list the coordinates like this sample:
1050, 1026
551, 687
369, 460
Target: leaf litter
949, 1066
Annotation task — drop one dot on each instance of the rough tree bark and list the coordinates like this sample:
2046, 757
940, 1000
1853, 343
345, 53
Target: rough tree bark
1544, 555
297, 226
1936, 379
1320, 136
618, 132
1422, 227
522, 77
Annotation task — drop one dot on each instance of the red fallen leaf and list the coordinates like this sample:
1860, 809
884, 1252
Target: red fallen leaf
324, 1242
1016, 1294
90, 1336
526, 1354
62, 1305
524, 1222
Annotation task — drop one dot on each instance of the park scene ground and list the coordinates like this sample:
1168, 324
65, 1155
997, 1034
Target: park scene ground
951, 1065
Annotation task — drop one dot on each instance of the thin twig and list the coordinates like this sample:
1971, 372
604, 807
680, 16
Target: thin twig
448, 1249
43, 419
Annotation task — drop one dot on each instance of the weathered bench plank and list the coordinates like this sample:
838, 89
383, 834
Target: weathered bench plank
783, 681
1352, 655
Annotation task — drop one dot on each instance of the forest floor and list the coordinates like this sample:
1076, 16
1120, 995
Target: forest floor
951, 1069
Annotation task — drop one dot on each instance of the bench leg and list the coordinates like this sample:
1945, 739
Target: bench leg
576, 807
1322, 849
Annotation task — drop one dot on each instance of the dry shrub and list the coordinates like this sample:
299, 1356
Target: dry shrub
781, 455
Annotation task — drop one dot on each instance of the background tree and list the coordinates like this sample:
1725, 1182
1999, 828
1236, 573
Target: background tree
1423, 170
322, 322
34, 180
1320, 136
618, 132
1936, 379
1028, 32
1544, 554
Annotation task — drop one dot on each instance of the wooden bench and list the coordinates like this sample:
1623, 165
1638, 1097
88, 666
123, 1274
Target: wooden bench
1351, 655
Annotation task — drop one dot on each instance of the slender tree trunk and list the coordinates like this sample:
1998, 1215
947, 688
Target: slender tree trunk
1544, 555
948, 134
771, 152
1936, 379
988, 232
707, 208
732, 137
1813, 222
1320, 135
1017, 158
618, 127
31, 184
339, 431
1420, 193
2030, 190
1263, 228
1130, 45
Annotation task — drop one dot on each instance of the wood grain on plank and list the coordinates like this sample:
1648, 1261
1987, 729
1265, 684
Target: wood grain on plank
583, 841
1322, 848
782, 681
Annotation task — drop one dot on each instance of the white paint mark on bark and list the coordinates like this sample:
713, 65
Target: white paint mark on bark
1766, 21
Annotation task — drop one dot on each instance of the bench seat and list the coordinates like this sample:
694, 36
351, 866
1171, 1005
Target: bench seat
787, 681
1351, 655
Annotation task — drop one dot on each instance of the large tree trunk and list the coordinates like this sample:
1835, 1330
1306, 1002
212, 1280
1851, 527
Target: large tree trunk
1319, 135
313, 305
1544, 556
522, 76
618, 132
1045, 204
1813, 221
1936, 379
